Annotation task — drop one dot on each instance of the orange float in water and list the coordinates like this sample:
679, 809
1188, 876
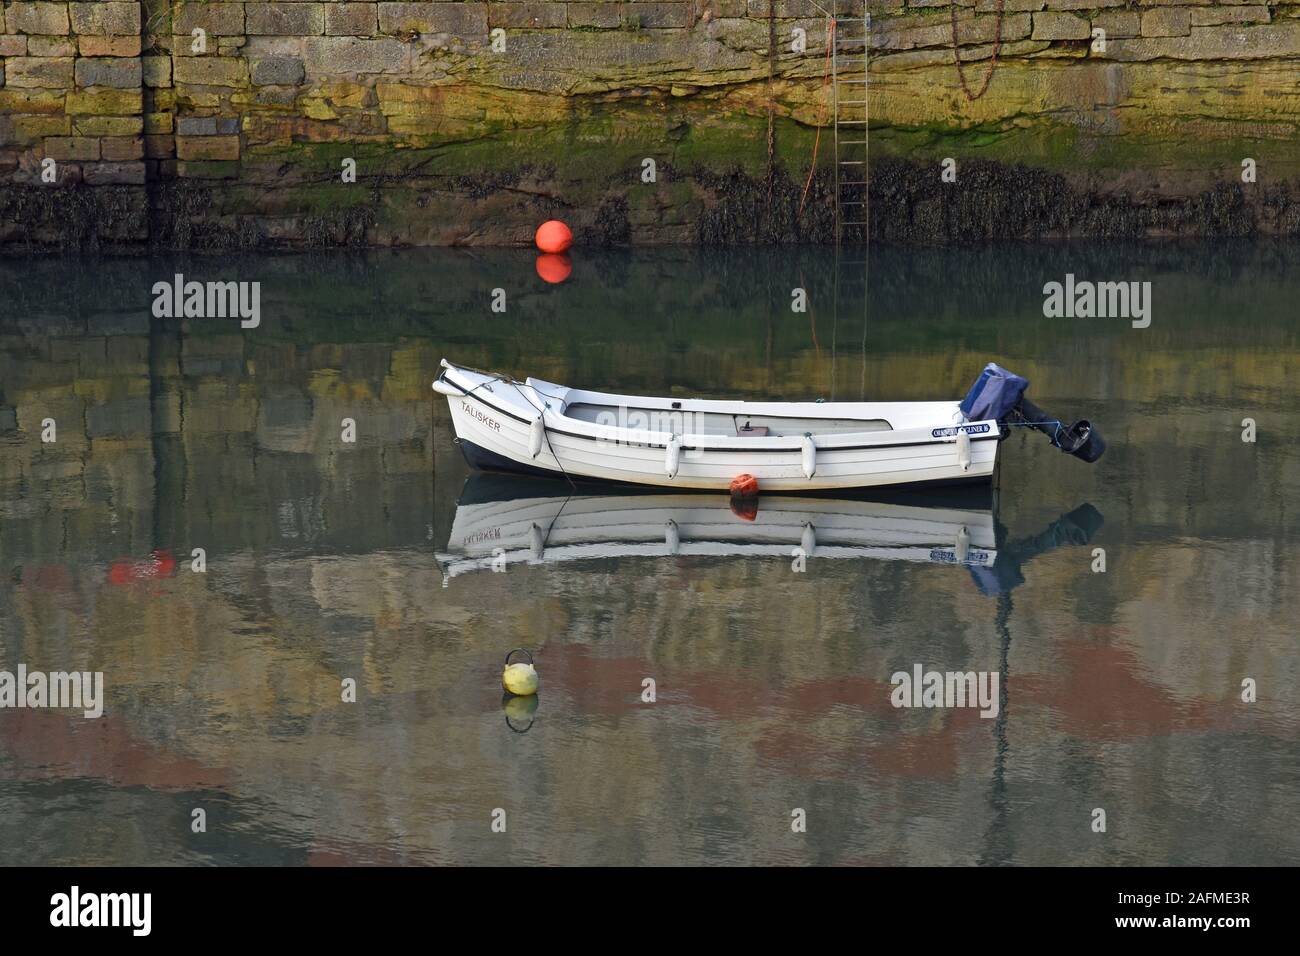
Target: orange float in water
554, 268
744, 486
553, 236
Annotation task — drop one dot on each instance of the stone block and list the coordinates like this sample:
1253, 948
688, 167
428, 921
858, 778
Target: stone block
51, 46
218, 19
121, 148
108, 125
103, 174
1119, 23
1166, 22
28, 129
527, 15
458, 19
43, 19
196, 126
1050, 25
105, 102
44, 72
1217, 16
352, 19
117, 73
1234, 42
601, 15
71, 147
284, 19
207, 147
279, 71
110, 46
105, 19
342, 56
31, 101
210, 71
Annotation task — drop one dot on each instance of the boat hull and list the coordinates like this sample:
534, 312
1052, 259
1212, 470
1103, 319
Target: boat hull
496, 433
482, 459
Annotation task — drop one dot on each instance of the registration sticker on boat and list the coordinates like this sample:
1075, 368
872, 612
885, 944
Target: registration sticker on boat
973, 556
950, 432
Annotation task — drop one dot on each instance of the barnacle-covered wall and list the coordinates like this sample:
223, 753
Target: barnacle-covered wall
216, 124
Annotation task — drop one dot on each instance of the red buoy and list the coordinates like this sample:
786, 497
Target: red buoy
554, 268
744, 486
553, 236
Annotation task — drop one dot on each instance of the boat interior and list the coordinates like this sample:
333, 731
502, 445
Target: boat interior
740, 425
719, 418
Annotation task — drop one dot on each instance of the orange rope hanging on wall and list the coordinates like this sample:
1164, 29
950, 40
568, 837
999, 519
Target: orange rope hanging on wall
821, 113
956, 54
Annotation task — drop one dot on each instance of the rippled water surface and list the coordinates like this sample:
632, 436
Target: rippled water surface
329, 561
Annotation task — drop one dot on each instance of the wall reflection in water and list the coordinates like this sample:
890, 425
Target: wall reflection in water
329, 561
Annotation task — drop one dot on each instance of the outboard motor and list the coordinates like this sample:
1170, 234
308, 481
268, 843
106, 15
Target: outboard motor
1000, 395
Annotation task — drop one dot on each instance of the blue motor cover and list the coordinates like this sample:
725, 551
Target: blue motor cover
995, 393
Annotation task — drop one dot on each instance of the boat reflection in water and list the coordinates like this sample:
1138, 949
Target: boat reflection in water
542, 522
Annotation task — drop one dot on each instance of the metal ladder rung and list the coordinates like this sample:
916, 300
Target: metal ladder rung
851, 65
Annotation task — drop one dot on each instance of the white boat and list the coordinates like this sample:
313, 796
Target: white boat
538, 427
564, 527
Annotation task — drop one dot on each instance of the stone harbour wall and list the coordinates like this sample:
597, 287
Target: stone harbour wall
204, 124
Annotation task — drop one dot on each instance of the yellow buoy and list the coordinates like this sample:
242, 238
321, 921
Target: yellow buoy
519, 679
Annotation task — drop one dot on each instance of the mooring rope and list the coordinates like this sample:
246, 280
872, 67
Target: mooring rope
956, 53
821, 112
545, 434
1055, 438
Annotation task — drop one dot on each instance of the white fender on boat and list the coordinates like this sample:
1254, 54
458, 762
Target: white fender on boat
672, 537
809, 541
809, 457
536, 433
537, 541
963, 450
961, 549
673, 456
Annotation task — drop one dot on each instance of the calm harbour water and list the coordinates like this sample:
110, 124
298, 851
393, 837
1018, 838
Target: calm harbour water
329, 561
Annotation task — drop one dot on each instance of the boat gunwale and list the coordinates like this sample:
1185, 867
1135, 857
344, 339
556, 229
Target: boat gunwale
767, 446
